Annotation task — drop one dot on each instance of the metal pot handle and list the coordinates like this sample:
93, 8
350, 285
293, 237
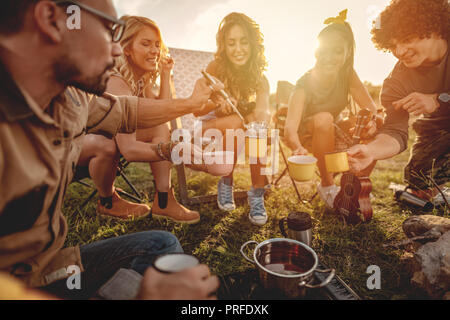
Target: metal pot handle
281, 225
242, 250
324, 283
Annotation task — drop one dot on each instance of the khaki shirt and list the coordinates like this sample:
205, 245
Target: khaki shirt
39, 151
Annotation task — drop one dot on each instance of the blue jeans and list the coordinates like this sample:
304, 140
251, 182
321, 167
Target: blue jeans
102, 259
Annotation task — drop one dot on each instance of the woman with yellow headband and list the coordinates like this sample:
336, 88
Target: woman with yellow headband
322, 94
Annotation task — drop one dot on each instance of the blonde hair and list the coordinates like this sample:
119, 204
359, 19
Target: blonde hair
123, 67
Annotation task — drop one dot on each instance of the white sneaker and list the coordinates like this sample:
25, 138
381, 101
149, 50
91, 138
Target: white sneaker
225, 199
328, 194
258, 213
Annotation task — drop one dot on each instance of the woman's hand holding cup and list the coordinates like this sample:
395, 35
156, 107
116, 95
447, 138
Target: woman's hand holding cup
300, 151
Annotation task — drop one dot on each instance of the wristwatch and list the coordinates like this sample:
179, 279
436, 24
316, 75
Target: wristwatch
444, 100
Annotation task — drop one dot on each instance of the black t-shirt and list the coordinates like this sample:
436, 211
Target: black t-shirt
332, 100
403, 81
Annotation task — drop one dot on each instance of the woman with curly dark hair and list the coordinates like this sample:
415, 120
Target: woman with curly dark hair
239, 63
417, 32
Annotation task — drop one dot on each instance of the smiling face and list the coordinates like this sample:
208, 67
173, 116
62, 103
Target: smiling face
237, 46
413, 53
89, 52
145, 50
331, 53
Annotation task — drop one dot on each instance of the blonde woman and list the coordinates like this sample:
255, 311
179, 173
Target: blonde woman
145, 58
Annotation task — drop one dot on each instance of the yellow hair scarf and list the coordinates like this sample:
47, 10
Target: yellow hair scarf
339, 19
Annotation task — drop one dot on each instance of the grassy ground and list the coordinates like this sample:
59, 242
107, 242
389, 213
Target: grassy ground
216, 240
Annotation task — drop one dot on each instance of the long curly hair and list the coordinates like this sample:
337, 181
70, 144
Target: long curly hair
122, 64
242, 83
404, 20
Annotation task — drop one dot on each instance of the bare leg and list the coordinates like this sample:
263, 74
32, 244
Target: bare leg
101, 155
141, 147
161, 169
323, 142
258, 180
222, 124
234, 122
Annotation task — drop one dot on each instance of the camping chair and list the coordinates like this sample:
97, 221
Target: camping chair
342, 128
283, 94
84, 174
284, 90
187, 69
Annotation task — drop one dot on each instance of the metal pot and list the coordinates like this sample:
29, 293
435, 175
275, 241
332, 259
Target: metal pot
286, 265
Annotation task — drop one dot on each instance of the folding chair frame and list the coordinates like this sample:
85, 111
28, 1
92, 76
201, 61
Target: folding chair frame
286, 171
120, 170
282, 96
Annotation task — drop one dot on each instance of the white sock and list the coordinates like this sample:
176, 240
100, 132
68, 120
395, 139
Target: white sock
327, 189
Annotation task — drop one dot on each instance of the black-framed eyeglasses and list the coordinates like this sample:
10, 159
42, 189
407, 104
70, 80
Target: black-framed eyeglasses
118, 26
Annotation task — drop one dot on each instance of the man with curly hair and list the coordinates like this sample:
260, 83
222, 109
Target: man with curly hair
416, 32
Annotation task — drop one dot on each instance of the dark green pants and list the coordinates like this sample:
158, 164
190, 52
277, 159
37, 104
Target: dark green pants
430, 157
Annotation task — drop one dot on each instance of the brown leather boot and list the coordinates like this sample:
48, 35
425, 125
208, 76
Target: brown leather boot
166, 206
121, 209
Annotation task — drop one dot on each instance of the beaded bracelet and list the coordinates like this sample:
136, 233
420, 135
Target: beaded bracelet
161, 153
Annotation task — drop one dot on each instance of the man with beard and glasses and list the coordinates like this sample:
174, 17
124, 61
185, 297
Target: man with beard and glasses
52, 93
417, 32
